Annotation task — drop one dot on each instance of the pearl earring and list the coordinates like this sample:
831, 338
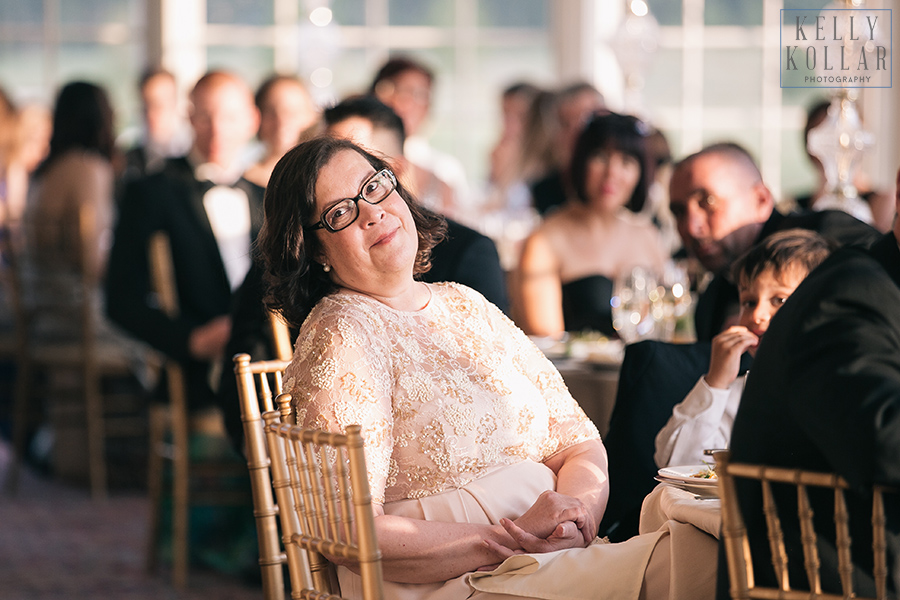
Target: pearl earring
326, 268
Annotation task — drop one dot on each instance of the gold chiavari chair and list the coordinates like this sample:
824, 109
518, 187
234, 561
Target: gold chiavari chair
63, 356
737, 546
170, 439
322, 487
256, 382
281, 337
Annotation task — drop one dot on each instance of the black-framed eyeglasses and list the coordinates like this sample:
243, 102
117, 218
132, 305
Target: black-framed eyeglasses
343, 213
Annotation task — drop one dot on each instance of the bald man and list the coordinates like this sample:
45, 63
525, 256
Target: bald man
211, 215
722, 208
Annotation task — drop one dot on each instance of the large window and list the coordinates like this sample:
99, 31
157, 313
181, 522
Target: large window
46, 43
713, 76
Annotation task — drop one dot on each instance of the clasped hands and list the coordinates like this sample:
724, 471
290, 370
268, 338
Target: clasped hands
554, 522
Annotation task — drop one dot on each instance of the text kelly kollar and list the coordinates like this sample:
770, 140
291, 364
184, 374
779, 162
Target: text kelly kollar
812, 53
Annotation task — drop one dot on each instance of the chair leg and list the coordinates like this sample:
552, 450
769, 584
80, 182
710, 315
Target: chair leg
180, 503
156, 432
21, 398
96, 434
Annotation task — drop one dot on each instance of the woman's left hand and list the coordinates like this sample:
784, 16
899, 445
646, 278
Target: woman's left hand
566, 535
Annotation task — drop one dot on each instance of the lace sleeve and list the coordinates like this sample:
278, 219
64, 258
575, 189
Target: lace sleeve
340, 376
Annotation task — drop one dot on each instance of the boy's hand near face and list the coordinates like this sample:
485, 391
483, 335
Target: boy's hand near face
727, 348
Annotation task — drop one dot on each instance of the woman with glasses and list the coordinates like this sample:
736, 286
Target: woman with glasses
568, 264
476, 450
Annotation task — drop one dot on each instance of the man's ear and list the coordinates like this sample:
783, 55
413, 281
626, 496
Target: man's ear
765, 202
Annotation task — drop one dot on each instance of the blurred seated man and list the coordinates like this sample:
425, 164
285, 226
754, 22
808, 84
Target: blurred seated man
164, 134
287, 113
406, 86
722, 208
211, 215
464, 256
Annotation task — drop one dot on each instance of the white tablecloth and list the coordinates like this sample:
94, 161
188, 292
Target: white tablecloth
693, 527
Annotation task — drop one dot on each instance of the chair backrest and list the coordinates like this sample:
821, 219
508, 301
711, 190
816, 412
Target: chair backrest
322, 487
737, 545
256, 383
281, 336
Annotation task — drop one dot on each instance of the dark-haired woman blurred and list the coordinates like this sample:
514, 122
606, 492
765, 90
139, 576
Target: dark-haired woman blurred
568, 264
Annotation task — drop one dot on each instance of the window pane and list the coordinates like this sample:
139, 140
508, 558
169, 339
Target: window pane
421, 12
21, 12
114, 67
99, 11
663, 80
348, 12
498, 67
751, 139
728, 12
240, 12
798, 176
732, 77
253, 64
513, 13
22, 70
667, 12
351, 74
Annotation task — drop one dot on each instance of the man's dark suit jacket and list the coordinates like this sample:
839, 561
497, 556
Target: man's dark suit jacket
172, 201
824, 395
654, 377
720, 299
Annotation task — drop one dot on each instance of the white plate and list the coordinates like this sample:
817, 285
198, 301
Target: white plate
703, 490
685, 474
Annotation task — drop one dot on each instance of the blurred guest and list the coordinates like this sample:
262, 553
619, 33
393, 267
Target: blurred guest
464, 255
575, 104
824, 395
163, 134
77, 177
722, 208
286, 113
406, 86
11, 205
506, 178
767, 275
211, 215
568, 265
878, 209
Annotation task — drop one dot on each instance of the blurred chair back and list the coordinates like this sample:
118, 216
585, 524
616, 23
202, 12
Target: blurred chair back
61, 330
256, 382
322, 487
170, 432
742, 564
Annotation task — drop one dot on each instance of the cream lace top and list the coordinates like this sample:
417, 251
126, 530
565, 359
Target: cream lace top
443, 394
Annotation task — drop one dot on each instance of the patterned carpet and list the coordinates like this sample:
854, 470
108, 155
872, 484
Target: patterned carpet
55, 542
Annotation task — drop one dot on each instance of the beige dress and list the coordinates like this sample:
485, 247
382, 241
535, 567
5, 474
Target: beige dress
458, 409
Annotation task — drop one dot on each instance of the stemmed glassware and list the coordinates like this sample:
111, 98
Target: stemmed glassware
631, 305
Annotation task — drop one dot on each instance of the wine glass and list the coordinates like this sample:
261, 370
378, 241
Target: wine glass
671, 302
631, 305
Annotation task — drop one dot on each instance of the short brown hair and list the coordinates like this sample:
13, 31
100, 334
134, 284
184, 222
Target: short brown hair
782, 251
287, 248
